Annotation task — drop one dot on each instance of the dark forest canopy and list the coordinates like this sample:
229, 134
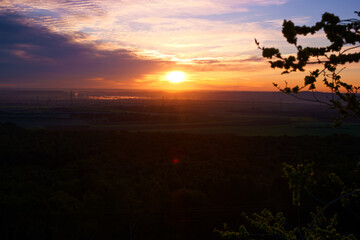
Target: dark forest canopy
106, 185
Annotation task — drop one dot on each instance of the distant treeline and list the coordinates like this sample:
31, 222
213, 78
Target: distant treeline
119, 185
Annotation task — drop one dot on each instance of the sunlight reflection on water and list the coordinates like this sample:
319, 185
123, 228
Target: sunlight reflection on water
116, 97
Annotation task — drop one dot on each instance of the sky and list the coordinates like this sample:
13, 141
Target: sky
134, 44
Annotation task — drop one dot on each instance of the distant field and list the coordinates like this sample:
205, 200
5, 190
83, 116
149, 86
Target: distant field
247, 124
248, 114
269, 130
257, 127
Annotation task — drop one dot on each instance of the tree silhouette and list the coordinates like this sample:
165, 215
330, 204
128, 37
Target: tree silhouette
344, 38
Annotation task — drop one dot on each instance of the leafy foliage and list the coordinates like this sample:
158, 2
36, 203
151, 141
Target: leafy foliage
276, 226
344, 38
299, 179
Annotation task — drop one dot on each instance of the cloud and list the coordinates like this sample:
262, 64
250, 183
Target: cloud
32, 55
124, 43
170, 27
138, 7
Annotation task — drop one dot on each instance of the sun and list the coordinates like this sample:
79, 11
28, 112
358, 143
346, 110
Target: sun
176, 77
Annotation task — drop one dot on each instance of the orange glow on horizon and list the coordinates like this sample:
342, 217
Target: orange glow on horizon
251, 77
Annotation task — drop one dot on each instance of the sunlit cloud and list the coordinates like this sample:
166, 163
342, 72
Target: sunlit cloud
35, 56
170, 27
165, 30
133, 43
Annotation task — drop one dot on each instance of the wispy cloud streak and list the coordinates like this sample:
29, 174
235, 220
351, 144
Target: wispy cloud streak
172, 28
